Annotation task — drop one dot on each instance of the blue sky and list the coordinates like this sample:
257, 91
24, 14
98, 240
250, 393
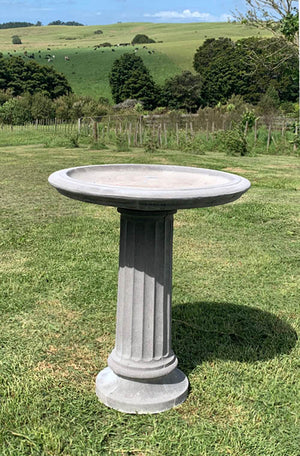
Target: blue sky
94, 12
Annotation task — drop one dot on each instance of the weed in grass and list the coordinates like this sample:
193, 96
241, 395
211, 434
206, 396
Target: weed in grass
98, 145
74, 140
150, 143
122, 144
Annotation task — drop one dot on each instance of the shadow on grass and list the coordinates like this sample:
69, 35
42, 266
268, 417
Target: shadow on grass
210, 330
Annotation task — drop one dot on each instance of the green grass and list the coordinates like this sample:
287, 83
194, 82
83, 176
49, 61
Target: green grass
87, 70
235, 312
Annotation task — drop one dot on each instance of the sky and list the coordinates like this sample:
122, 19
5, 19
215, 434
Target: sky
97, 12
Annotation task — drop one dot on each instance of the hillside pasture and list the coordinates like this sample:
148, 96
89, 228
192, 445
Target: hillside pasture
87, 69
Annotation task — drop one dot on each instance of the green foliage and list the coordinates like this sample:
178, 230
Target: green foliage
16, 111
58, 22
191, 143
182, 92
249, 118
15, 39
130, 78
269, 102
74, 140
233, 142
42, 107
289, 25
9, 25
122, 142
22, 76
151, 142
142, 39
246, 67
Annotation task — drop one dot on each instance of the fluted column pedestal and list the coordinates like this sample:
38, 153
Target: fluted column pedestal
142, 376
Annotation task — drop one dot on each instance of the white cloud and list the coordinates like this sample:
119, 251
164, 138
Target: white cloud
226, 17
185, 14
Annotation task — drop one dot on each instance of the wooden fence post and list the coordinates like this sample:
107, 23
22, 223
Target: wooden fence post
269, 137
165, 134
255, 131
95, 130
296, 134
177, 134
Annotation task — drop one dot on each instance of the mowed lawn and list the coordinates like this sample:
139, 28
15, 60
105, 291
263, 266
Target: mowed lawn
235, 313
88, 70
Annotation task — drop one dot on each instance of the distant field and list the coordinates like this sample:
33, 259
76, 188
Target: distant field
87, 70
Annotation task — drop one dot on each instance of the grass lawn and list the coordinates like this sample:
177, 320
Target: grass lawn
235, 313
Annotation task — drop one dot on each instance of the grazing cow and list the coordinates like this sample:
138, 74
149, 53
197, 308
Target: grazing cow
50, 60
113, 50
67, 58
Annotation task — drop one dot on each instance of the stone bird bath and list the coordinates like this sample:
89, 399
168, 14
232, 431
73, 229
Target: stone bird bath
142, 374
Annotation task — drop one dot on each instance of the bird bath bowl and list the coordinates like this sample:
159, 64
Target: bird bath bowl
142, 374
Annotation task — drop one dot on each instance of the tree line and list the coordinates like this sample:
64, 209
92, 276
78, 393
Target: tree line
14, 24
249, 67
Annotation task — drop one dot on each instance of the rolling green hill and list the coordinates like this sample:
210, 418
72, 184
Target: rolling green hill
88, 69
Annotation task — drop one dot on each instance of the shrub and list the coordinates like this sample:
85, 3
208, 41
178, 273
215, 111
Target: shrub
150, 143
42, 107
142, 39
233, 141
122, 143
16, 111
74, 140
16, 39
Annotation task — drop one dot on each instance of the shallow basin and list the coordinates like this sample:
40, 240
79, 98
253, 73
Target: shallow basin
149, 187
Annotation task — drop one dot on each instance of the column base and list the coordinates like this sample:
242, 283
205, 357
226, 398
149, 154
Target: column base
141, 396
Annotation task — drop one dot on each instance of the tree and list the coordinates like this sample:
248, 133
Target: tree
246, 67
183, 91
130, 78
142, 39
281, 17
21, 76
16, 39
65, 23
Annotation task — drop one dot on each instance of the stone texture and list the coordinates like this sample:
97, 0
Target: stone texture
143, 335
149, 187
144, 396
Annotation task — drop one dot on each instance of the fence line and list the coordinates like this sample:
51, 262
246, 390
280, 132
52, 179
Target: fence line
137, 130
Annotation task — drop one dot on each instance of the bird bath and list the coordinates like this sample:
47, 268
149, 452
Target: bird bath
142, 374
